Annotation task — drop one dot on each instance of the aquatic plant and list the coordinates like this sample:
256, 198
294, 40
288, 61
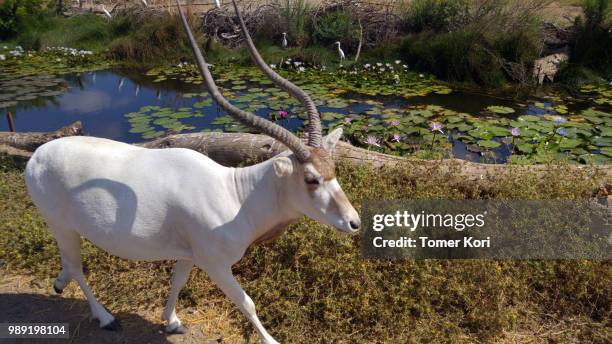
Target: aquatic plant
501, 109
154, 121
53, 60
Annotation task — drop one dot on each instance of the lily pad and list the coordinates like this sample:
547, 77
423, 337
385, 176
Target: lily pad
501, 109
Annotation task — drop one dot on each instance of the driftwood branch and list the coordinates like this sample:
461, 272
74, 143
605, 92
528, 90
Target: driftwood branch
360, 41
236, 149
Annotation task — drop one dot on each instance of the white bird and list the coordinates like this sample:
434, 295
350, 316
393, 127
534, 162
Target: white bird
144, 2
216, 35
106, 12
121, 81
340, 52
218, 3
284, 42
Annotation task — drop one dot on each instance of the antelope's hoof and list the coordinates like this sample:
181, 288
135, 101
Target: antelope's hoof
57, 290
180, 329
113, 326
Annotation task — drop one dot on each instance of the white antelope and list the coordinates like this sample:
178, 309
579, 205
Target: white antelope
177, 204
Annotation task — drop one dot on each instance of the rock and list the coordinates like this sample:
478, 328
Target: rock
547, 67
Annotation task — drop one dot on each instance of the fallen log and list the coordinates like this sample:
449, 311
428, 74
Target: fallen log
236, 149
22, 145
233, 149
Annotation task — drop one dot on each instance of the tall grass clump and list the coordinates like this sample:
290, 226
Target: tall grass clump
86, 31
484, 41
151, 39
292, 17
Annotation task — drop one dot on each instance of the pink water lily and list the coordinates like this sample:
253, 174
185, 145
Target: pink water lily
436, 126
348, 120
372, 141
395, 122
282, 114
396, 138
515, 132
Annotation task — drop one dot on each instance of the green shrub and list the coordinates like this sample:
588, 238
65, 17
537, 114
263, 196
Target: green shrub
17, 16
435, 15
456, 56
592, 45
335, 26
481, 42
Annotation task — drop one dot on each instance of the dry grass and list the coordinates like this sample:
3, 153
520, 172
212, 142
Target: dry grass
312, 286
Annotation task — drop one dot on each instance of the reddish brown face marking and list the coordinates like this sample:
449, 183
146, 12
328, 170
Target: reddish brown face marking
322, 161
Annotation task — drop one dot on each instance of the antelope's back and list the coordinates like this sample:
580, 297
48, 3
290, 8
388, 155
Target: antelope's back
58, 168
114, 193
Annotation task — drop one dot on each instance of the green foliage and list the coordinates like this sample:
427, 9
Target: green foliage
88, 31
150, 39
592, 45
435, 15
293, 19
456, 56
478, 45
16, 16
337, 25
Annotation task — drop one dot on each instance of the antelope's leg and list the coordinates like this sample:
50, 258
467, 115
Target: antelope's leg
62, 279
69, 243
179, 278
224, 279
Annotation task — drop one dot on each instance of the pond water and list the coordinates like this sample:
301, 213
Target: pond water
130, 106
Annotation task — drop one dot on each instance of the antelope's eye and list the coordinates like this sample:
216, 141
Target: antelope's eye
311, 181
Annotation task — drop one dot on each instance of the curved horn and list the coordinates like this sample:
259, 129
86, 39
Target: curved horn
283, 135
314, 121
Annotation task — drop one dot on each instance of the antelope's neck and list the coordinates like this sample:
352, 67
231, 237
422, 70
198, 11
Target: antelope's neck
263, 203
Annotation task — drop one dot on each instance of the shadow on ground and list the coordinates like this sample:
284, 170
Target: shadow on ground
32, 308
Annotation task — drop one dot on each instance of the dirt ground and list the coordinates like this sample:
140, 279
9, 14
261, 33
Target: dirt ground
28, 299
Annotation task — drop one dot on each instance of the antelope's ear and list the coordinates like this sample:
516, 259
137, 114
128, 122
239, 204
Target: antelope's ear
329, 141
283, 166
